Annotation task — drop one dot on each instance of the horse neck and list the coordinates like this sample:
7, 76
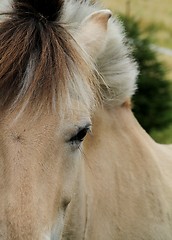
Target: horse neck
123, 175
118, 130
119, 148
118, 135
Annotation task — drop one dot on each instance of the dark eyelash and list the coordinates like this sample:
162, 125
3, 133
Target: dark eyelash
79, 137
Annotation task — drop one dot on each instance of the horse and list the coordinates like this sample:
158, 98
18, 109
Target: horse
74, 162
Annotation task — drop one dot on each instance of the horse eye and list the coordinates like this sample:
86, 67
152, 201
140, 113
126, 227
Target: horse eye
79, 137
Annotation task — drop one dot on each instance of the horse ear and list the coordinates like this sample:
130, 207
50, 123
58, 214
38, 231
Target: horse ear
92, 32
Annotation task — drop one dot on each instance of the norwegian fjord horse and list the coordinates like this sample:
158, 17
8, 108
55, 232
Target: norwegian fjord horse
74, 162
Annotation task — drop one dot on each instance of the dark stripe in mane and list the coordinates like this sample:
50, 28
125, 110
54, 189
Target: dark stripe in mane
49, 9
37, 58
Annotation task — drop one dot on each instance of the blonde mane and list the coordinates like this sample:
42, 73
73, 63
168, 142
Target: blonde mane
114, 63
40, 62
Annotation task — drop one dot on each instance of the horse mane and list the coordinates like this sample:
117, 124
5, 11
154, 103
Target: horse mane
115, 63
40, 62
50, 10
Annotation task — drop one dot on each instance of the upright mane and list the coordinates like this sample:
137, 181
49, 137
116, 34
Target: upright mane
114, 63
40, 61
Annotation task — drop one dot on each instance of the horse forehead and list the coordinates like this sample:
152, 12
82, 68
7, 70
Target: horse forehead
77, 112
27, 132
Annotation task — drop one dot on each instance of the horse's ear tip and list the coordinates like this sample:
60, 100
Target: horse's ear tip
101, 16
107, 12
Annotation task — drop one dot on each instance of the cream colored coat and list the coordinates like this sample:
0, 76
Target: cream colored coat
127, 182
117, 184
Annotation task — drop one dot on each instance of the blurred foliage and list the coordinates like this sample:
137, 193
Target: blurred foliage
164, 136
153, 99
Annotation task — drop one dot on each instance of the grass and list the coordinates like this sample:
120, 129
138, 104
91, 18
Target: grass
156, 14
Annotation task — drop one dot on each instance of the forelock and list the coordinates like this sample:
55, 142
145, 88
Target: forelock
40, 63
